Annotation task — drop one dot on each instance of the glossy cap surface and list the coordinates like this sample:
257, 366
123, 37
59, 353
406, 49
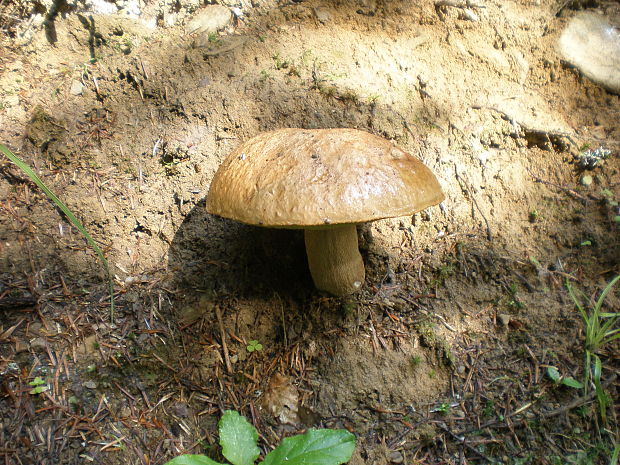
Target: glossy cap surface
295, 178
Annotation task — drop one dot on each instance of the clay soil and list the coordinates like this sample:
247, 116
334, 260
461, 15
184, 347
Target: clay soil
443, 356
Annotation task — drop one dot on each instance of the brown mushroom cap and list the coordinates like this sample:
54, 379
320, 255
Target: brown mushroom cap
299, 178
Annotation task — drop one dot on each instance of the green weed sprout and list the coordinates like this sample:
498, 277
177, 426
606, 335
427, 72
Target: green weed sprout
254, 345
555, 376
238, 439
68, 213
600, 330
38, 386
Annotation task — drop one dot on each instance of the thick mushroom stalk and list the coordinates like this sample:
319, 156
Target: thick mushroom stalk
334, 259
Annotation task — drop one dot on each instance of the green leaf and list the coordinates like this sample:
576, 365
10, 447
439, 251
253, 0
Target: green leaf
554, 374
615, 454
315, 447
601, 395
254, 345
536, 263
238, 439
572, 382
37, 381
189, 459
39, 389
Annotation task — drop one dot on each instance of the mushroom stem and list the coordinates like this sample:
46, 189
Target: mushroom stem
334, 259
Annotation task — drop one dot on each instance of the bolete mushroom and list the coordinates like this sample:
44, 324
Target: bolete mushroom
325, 181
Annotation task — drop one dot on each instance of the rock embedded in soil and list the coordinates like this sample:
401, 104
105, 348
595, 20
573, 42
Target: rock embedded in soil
323, 14
396, 457
210, 19
76, 88
591, 43
38, 344
503, 319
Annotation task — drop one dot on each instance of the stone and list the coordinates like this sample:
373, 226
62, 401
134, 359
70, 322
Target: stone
591, 43
503, 319
212, 18
90, 385
181, 410
89, 346
38, 344
322, 14
586, 180
35, 328
76, 88
396, 457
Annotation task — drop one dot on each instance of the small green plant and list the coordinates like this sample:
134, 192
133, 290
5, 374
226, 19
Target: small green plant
264, 76
445, 271
513, 301
601, 329
254, 345
279, 62
213, 38
68, 213
38, 386
238, 439
489, 408
555, 376
442, 408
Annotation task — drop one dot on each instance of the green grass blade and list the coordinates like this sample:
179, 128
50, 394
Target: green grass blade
611, 336
587, 371
614, 455
68, 213
601, 395
577, 301
601, 299
609, 315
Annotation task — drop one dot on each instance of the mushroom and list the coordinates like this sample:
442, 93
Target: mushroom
325, 181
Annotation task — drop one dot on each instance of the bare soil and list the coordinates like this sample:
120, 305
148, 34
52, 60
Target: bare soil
443, 356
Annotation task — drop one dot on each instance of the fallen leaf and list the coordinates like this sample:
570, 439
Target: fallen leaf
281, 399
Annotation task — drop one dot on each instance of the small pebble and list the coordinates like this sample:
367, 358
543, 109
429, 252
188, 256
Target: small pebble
586, 180
503, 319
76, 88
396, 457
90, 385
212, 18
38, 344
323, 14
181, 409
35, 327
